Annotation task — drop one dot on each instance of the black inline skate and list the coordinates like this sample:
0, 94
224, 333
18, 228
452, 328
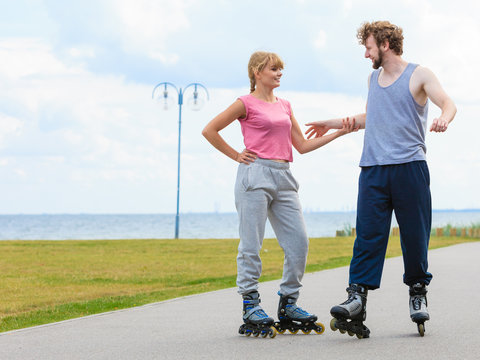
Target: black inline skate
418, 306
256, 321
350, 315
293, 318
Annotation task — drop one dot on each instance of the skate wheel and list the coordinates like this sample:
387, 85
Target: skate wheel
421, 329
350, 333
342, 331
248, 333
265, 333
272, 333
293, 331
241, 330
256, 333
320, 328
306, 332
333, 324
278, 328
359, 336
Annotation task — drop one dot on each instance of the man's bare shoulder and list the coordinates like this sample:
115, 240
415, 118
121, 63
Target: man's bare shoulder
422, 74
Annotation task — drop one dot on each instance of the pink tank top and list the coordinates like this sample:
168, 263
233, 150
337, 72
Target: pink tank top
267, 128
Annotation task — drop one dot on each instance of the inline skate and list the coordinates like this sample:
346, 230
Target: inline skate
350, 315
418, 306
293, 318
256, 321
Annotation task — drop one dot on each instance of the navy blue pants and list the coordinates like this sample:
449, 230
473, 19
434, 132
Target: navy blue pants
405, 189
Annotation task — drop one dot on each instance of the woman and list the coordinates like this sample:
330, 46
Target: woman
265, 188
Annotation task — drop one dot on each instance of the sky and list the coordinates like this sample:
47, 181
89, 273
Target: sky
80, 132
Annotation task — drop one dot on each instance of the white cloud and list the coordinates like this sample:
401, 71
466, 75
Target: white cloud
146, 25
347, 6
20, 57
98, 122
167, 59
82, 52
320, 40
9, 127
20, 173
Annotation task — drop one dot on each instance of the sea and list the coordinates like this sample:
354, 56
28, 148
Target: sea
191, 225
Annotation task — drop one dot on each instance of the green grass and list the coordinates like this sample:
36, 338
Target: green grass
46, 281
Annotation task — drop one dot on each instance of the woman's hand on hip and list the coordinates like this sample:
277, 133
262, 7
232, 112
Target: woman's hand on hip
246, 157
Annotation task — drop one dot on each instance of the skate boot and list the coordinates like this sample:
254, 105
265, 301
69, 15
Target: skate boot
350, 315
256, 321
293, 318
418, 306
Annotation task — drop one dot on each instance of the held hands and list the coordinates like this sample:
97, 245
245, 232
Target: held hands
348, 127
319, 128
316, 129
246, 157
439, 125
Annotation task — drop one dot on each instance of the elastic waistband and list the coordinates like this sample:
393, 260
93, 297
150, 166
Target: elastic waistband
271, 163
401, 164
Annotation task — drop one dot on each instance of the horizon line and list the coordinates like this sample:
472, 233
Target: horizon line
212, 212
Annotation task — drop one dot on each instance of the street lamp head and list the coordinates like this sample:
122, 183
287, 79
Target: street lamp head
166, 101
163, 96
195, 102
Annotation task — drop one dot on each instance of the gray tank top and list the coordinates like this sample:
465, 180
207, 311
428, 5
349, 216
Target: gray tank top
396, 124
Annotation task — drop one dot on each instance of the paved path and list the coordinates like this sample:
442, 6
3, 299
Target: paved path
183, 328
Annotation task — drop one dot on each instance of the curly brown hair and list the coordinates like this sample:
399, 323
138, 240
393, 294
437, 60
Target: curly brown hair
382, 31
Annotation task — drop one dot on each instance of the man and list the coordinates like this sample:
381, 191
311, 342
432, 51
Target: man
394, 174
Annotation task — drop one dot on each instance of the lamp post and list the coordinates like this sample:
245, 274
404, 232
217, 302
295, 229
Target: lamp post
161, 94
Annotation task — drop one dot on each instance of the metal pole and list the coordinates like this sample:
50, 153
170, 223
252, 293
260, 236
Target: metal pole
177, 218
180, 93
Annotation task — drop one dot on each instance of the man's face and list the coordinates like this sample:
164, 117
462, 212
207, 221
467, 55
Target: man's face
373, 52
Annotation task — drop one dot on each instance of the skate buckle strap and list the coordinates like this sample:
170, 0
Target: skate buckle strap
418, 289
359, 289
294, 308
258, 310
252, 301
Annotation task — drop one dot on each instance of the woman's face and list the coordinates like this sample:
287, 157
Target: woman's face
270, 75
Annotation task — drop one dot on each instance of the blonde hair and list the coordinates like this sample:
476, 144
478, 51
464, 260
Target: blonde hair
258, 61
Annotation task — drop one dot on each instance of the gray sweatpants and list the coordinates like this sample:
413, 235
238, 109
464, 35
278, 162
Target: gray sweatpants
267, 189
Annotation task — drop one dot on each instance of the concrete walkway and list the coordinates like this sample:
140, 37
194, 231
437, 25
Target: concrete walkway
205, 326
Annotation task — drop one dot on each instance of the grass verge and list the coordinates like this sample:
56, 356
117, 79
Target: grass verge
47, 281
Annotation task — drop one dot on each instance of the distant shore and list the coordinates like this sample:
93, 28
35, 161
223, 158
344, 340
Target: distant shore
192, 225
